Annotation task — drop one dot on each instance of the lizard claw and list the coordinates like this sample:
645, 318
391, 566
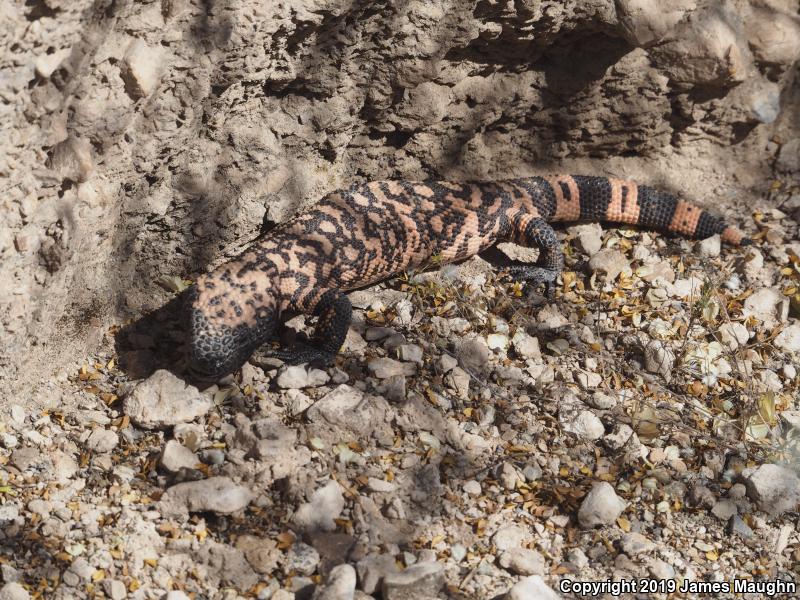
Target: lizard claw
303, 354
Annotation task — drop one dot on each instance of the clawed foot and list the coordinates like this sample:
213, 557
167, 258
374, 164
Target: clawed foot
534, 277
549, 289
300, 354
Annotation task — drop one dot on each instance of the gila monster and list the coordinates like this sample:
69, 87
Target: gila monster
373, 231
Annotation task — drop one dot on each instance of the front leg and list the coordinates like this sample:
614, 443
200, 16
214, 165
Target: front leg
334, 312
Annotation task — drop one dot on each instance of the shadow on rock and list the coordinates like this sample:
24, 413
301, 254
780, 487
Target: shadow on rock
154, 341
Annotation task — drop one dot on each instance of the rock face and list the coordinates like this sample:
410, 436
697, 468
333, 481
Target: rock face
178, 125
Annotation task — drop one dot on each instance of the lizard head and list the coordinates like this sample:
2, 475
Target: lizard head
230, 313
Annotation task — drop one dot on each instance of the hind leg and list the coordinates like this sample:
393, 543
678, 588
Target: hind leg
535, 232
334, 311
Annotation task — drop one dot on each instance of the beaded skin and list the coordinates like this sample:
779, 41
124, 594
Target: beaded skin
373, 231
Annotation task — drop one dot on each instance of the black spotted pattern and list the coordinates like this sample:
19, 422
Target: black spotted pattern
373, 231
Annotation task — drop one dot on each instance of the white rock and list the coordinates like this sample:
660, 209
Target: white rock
789, 338
634, 543
446, 363
380, 485
422, 580
297, 402
115, 589
611, 262
523, 561
8, 513
14, 591
645, 22
789, 371
458, 552
531, 588
765, 304
395, 389
473, 488
339, 585
163, 400
590, 237
532, 472
354, 343
661, 570
602, 401
773, 488
734, 335
526, 346
509, 476
508, 537
686, 288
588, 380
586, 425
295, 377
710, 247
497, 341
659, 359
348, 409
724, 510
791, 419
661, 270
789, 156
410, 353
102, 440
601, 506
551, 318
175, 456
459, 380
384, 368
141, 68
47, 64
179, 595
216, 494
17, 414
325, 505
578, 558
302, 559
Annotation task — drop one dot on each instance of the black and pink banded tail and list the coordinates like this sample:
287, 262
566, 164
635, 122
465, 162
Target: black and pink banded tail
607, 199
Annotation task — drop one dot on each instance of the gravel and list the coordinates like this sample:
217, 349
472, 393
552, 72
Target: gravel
469, 424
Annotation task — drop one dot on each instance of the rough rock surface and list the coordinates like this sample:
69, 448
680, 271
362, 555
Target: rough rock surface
453, 444
217, 494
773, 488
600, 507
163, 400
138, 148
